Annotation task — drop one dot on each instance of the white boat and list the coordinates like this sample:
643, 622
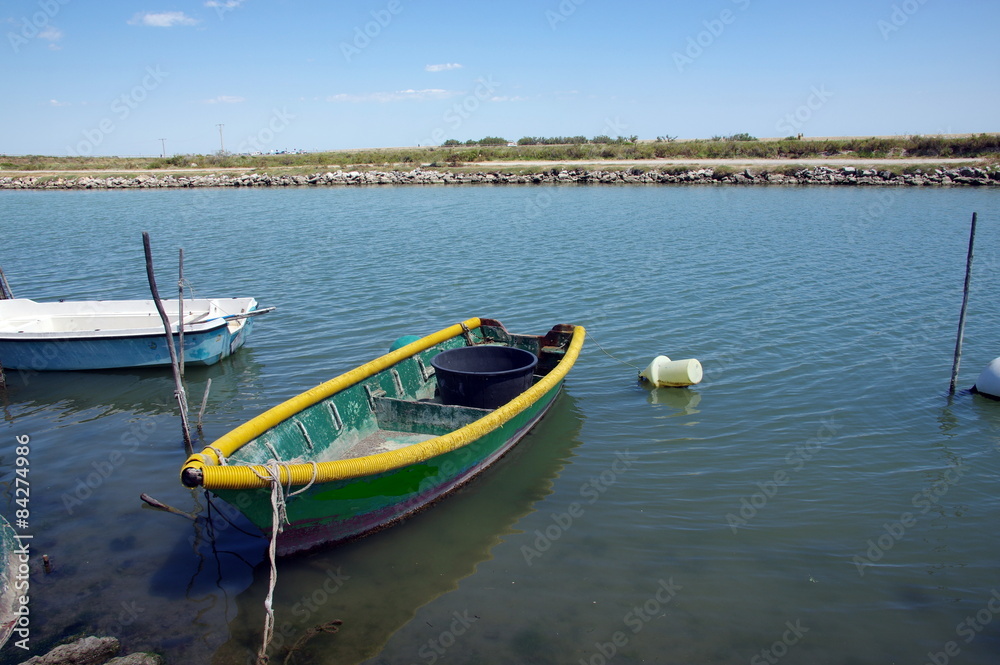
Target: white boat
106, 334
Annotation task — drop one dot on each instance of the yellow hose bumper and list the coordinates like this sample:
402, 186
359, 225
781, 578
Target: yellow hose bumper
246, 476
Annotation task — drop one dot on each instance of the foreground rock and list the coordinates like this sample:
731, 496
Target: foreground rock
93, 651
820, 175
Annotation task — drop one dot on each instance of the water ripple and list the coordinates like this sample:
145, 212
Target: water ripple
825, 332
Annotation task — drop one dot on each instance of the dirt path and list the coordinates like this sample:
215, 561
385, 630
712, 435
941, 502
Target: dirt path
590, 163
820, 161
69, 173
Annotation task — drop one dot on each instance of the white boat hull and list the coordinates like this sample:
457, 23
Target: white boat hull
82, 335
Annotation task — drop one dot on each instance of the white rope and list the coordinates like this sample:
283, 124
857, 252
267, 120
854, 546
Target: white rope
591, 337
277, 509
218, 453
308, 485
279, 517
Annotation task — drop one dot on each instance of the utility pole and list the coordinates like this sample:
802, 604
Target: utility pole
222, 145
163, 143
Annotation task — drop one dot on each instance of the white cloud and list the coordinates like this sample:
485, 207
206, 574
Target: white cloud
443, 68
162, 19
56, 102
224, 4
51, 34
225, 99
398, 96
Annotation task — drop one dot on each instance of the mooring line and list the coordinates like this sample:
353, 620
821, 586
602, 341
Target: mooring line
591, 336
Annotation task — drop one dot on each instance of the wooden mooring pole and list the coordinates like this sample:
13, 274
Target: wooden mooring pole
965, 306
5, 292
178, 383
180, 305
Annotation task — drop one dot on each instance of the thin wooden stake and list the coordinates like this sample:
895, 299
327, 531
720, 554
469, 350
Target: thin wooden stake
965, 305
204, 401
178, 384
5, 292
180, 305
159, 505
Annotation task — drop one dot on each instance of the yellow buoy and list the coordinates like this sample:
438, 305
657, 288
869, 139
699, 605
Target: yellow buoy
664, 372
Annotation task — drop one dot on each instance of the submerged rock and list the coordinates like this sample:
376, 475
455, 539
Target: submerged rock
85, 651
93, 651
137, 659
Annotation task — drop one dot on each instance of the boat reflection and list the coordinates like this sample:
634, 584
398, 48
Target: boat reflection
376, 584
140, 391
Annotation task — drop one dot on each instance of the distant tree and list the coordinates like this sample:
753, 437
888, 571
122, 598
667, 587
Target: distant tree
492, 140
451, 142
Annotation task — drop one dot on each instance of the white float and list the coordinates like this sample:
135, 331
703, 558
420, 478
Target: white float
664, 372
988, 382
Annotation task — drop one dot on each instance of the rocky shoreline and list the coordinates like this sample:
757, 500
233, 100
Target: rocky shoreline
820, 175
93, 650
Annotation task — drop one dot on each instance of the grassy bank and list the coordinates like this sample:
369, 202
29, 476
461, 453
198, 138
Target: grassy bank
911, 147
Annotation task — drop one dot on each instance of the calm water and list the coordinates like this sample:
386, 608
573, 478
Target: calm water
818, 496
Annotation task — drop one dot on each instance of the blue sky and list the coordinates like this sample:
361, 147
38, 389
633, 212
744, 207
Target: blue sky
114, 78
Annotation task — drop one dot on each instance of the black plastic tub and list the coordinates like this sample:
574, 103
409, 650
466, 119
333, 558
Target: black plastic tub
484, 377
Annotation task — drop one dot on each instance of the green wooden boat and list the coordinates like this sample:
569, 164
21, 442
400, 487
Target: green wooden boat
372, 446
